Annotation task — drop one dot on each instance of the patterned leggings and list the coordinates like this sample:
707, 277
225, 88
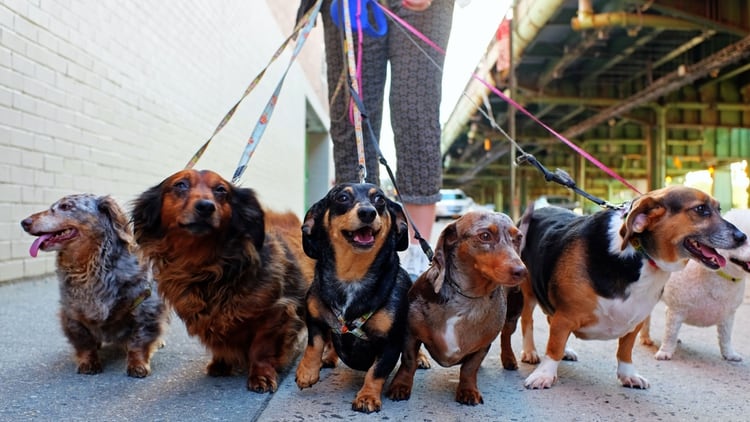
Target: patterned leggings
414, 97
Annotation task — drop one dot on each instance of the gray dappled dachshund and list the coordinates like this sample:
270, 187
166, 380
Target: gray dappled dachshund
105, 293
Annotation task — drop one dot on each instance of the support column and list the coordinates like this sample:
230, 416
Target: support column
658, 148
515, 201
579, 165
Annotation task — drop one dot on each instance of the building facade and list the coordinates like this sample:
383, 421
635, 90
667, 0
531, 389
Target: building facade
111, 97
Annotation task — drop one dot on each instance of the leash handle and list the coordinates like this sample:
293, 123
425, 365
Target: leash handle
561, 177
377, 30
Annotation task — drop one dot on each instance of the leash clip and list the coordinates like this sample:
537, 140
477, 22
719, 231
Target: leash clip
378, 30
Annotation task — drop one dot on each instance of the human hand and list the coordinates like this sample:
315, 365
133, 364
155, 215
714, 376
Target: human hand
416, 5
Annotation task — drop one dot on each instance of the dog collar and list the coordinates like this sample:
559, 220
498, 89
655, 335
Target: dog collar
140, 298
727, 276
639, 248
353, 327
458, 290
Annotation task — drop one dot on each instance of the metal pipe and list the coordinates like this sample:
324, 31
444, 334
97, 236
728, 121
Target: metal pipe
673, 81
530, 16
622, 19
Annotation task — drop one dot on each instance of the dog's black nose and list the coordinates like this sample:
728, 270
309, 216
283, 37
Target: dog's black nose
205, 208
739, 236
26, 224
366, 214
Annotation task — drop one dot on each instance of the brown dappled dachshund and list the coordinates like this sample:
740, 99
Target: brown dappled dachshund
458, 306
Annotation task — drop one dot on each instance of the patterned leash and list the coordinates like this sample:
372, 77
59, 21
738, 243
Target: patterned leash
300, 33
354, 84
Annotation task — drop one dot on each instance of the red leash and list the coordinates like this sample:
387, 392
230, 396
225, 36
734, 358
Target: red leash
510, 101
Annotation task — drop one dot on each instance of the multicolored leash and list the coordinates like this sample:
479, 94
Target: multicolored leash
305, 22
265, 117
353, 80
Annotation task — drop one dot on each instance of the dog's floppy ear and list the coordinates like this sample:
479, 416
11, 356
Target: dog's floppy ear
446, 242
310, 230
247, 215
146, 214
400, 224
115, 217
643, 212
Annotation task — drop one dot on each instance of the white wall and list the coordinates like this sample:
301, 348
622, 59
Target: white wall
110, 97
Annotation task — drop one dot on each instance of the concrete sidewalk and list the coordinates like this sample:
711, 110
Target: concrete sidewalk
38, 380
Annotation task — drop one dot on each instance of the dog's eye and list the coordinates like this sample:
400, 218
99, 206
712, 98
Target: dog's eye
181, 185
342, 197
702, 210
378, 200
485, 236
65, 206
220, 190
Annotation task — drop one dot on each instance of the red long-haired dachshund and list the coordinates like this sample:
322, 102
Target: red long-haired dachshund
235, 274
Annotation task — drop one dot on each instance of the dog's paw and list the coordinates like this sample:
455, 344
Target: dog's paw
219, 368
262, 384
544, 375
366, 403
330, 361
399, 391
330, 358
470, 396
634, 381
570, 355
531, 357
663, 355
629, 377
305, 378
646, 340
138, 370
423, 362
509, 362
90, 367
732, 356
539, 380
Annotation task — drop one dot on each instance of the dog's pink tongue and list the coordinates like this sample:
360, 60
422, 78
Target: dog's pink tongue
34, 249
364, 237
710, 252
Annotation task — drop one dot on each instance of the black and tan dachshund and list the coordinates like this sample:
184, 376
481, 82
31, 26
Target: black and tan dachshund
358, 298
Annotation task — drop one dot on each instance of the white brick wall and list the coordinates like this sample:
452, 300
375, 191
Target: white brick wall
110, 97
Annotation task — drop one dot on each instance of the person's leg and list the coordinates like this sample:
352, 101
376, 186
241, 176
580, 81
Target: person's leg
423, 217
415, 94
416, 90
372, 90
